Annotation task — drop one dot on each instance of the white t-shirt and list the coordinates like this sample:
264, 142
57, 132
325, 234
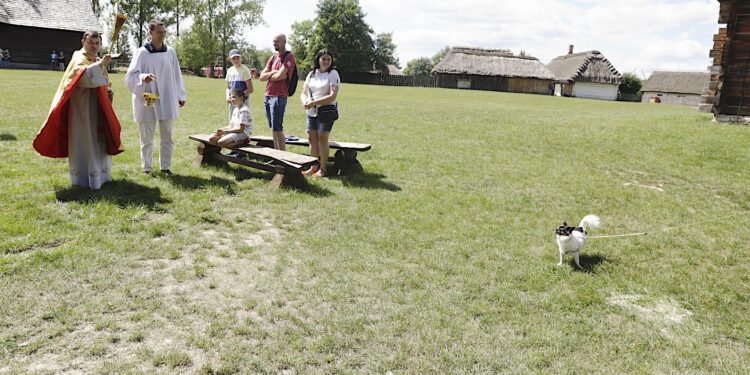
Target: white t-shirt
242, 115
320, 84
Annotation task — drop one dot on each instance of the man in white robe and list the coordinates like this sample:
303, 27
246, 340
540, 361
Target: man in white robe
156, 69
82, 125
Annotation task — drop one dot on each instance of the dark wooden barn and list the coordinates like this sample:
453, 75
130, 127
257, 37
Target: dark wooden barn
32, 29
728, 94
494, 70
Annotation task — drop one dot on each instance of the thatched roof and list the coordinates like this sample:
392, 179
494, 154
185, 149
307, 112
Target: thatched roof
69, 15
677, 82
491, 62
589, 66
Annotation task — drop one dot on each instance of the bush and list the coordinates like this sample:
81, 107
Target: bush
631, 84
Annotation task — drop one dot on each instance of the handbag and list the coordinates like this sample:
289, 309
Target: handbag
326, 113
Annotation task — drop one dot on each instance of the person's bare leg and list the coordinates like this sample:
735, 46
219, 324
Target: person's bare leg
323, 152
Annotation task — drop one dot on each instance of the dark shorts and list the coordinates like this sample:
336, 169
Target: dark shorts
313, 125
275, 107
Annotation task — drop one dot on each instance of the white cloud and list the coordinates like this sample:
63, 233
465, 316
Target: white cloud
636, 35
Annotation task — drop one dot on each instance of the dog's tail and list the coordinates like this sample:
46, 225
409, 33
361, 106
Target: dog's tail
590, 222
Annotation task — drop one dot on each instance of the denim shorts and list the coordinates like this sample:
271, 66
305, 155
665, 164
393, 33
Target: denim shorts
313, 125
275, 107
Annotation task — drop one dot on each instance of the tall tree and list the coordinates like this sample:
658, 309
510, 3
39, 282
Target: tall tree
96, 7
195, 47
300, 39
384, 53
341, 28
139, 13
224, 21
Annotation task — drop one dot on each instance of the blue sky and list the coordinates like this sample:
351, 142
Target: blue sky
636, 35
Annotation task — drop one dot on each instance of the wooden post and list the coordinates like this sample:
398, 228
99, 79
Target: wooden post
345, 162
205, 154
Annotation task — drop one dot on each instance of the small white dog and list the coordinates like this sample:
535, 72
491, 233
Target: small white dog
571, 240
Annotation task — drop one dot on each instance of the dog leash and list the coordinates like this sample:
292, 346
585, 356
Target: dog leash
668, 228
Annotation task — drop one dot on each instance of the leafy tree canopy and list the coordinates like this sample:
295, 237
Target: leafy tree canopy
631, 83
340, 27
420, 66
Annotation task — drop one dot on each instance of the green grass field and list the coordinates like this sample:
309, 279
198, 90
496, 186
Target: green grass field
439, 258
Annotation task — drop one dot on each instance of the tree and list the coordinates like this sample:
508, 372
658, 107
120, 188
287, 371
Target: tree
96, 7
341, 28
139, 13
438, 57
254, 57
302, 32
195, 47
630, 83
420, 66
384, 53
223, 21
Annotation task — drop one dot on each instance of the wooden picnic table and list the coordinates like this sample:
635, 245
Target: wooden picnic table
287, 166
344, 160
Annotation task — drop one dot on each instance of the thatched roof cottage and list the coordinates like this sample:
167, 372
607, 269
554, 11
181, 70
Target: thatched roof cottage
585, 75
676, 87
492, 69
31, 30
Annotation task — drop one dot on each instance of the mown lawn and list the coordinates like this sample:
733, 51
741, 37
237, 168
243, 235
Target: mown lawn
439, 258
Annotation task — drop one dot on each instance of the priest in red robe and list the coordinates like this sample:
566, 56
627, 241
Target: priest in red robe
82, 124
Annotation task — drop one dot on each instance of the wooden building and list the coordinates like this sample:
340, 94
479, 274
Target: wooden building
585, 75
683, 88
494, 70
31, 30
728, 94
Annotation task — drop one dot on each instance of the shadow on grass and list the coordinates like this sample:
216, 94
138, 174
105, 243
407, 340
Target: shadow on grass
589, 263
193, 182
244, 173
7, 137
122, 193
367, 181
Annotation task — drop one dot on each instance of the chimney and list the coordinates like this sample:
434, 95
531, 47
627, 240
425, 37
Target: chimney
570, 49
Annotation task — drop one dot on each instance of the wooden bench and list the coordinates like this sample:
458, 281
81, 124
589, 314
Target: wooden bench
344, 160
288, 166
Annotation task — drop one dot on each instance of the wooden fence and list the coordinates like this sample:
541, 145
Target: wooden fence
388, 80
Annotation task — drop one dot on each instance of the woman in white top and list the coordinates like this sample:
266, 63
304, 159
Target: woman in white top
321, 87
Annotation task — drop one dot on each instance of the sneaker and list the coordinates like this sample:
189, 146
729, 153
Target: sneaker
167, 172
292, 138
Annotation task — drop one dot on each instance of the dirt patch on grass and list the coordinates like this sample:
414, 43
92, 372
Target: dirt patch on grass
176, 306
662, 311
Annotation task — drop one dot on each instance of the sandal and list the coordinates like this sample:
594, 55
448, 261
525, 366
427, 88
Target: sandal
310, 171
319, 173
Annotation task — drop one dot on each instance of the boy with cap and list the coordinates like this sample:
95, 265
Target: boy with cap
238, 78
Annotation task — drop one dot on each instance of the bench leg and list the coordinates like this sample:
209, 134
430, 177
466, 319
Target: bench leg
289, 178
205, 154
345, 162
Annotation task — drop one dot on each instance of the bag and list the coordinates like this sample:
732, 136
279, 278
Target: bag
328, 113
293, 78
